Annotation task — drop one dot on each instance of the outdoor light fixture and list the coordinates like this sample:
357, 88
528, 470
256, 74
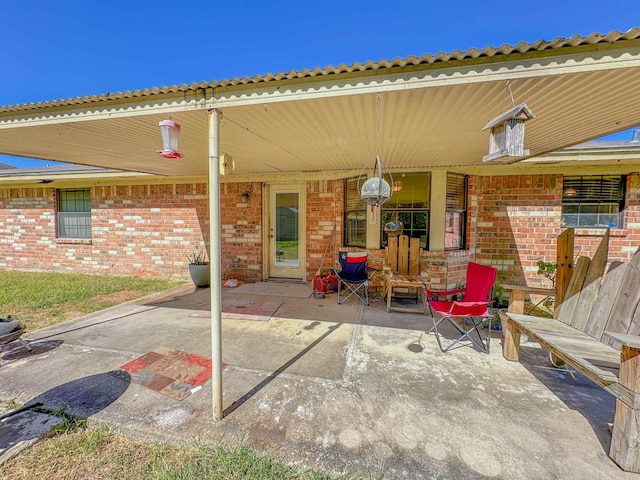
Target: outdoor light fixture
397, 186
170, 131
244, 198
376, 190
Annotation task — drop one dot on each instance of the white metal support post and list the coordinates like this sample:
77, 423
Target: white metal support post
215, 263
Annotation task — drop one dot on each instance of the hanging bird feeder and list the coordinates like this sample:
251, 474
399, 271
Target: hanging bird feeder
170, 131
375, 191
506, 136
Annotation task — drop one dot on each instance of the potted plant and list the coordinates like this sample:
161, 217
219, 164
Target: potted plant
199, 269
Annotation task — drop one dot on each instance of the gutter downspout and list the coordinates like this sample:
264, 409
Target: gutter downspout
215, 263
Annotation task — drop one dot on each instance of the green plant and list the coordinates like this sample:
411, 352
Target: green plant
69, 422
548, 270
499, 296
197, 257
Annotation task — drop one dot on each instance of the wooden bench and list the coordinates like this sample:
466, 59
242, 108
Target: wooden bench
596, 330
564, 270
402, 271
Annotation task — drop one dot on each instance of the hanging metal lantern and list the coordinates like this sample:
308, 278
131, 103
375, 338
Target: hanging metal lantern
170, 131
375, 191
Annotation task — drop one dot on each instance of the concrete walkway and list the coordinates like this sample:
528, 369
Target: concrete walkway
347, 388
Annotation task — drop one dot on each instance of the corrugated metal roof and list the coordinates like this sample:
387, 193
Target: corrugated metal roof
442, 57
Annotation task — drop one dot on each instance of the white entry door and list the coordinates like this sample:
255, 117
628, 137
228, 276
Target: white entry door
287, 232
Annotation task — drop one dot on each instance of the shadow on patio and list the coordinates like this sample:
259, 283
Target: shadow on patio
344, 387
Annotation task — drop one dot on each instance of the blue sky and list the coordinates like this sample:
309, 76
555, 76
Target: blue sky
52, 50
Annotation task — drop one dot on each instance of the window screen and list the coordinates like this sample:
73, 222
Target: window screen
355, 215
74, 213
593, 200
456, 213
408, 207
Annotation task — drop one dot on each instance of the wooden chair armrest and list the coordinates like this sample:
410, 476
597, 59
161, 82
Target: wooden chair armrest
551, 292
625, 339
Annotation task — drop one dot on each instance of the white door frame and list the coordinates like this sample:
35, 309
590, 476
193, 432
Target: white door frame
277, 266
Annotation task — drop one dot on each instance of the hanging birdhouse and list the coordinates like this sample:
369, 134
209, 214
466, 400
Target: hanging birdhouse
169, 131
506, 138
376, 190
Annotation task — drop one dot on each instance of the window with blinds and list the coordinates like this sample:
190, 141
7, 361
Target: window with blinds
456, 211
355, 229
407, 212
593, 200
74, 213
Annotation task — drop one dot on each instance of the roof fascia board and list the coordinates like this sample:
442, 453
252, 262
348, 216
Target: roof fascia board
568, 167
589, 58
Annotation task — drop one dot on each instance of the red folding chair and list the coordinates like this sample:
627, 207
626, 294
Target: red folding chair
473, 308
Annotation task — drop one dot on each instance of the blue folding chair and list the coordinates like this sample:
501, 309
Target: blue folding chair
354, 276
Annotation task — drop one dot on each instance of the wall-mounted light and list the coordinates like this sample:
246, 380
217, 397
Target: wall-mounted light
570, 192
244, 198
170, 131
397, 186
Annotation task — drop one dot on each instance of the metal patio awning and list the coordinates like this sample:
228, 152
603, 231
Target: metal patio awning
432, 110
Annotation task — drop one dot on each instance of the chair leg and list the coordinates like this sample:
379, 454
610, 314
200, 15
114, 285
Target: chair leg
479, 342
434, 329
353, 290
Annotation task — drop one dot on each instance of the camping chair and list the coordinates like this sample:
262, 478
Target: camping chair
472, 307
354, 275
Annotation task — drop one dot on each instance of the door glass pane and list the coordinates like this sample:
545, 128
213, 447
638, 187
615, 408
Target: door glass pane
287, 253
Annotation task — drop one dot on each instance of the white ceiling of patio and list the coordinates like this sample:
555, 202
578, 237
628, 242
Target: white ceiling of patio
432, 111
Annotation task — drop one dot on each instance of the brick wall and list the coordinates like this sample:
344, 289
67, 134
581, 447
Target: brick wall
518, 218
513, 222
136, 230
324, 211
242, 251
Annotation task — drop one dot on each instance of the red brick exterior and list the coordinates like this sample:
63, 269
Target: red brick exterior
519, 217
242, 250
324, 212
136, 230
512, 223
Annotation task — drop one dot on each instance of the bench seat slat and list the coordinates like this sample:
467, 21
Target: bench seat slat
573, 345
597, 361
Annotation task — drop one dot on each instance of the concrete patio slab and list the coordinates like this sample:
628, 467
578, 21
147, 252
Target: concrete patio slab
348, 388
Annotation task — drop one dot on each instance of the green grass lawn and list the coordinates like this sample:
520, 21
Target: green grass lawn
290, 249
97, 453
81, 451
46, 298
